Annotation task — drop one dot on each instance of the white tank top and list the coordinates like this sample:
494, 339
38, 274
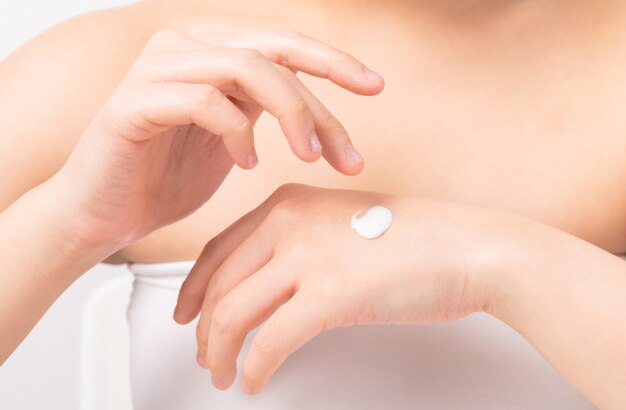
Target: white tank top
474, 363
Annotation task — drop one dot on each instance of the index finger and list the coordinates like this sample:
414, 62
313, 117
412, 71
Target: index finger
219, 248
299, 52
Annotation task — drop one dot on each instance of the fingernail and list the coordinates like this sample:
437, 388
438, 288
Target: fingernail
372, 75
353, 155
252, 160
315, 144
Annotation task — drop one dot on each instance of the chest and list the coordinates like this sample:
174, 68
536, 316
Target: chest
506, 118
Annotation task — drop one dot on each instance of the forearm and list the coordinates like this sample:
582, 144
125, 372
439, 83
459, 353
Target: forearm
40, 259
568, 298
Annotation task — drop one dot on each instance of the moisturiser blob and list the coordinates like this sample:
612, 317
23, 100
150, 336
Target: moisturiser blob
372, 223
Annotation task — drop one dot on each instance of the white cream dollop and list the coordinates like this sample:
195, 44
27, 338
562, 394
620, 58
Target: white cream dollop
373, 223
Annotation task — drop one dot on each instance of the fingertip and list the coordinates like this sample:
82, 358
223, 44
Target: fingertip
354, 158
374, 84
180, 319
302, 139
354, 170
223, 382
373, 76
251, 384
347, 161
373, 88
250, 162
245, 161
378, 85
313, 157
201, 360
183, 314
219, 384
177, 317
310, 148
347, 169
312, 151
249, 390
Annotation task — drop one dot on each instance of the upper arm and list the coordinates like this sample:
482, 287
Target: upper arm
51, 88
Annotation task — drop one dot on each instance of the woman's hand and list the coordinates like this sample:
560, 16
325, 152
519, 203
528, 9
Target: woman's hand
168, 135
295, 263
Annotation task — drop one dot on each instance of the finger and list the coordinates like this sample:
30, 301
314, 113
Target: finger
302, 53
246, 71
338, 149
250, 257
194, 287
152, 109
239, 312
289, 328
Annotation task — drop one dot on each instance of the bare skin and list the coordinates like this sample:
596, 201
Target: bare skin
515, 107
278, 268
159, 148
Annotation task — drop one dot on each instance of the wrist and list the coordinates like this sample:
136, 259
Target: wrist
42, 248
473, 249
495, 244
504, 261
74, 233
75, 212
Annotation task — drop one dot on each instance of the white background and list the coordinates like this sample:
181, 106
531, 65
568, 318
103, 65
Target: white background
43, 372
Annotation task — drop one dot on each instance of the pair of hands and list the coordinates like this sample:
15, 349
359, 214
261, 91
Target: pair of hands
169, 135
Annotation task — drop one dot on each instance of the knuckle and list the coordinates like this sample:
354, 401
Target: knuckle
289, 33
126, 115
208, 93
208, 247
213, 298
297, 250
163, 38
266, 345
285, 211
222, 320
332, 124
118, 102
284, 71
299, 107
214, 364
202, 336
134, 125
287, 38
289, 189
243, 127
251, 375
205, 95
212, 245
250, 57
344, 59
